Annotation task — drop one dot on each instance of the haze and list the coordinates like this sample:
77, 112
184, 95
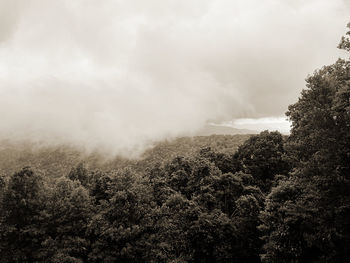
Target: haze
119, 75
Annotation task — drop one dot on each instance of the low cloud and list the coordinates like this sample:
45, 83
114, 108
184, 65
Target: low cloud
117, 75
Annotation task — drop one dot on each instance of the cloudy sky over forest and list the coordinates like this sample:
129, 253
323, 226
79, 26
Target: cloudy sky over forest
117, 74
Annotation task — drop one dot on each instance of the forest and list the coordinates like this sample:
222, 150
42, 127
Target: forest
244, 198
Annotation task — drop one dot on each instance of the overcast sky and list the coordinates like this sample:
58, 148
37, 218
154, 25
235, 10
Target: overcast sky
118, 74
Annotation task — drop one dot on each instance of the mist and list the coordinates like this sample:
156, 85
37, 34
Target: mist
119, 75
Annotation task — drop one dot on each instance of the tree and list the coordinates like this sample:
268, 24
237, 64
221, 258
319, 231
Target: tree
2, 188
262, 156
321, 140
289, 221
80, 173
21, 217
227, 163
169, 241
119, 228
69, 211
307, 216
213, 238
100, 186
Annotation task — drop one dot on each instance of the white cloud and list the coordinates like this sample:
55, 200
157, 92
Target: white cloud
280, 124
118, 74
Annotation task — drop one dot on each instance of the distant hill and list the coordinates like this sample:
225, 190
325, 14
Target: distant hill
56, 161
211, 129
187, 146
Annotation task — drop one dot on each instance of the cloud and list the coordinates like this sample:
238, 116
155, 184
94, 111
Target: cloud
8, 18
117, 75
280, 124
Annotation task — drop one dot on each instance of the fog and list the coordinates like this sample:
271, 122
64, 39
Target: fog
119, 75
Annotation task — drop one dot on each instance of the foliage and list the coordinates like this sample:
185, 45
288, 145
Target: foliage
21, 217
69, 211
262, 156
306, 217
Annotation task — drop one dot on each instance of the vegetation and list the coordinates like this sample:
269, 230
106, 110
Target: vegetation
202, 199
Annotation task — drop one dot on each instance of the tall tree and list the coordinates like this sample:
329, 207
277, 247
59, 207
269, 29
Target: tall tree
314, 204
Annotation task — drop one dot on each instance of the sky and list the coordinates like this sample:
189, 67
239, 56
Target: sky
118, 75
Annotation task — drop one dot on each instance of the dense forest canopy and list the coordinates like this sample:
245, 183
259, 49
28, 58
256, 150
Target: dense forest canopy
259, 198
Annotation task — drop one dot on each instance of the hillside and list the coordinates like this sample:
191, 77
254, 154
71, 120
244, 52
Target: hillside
56, 161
